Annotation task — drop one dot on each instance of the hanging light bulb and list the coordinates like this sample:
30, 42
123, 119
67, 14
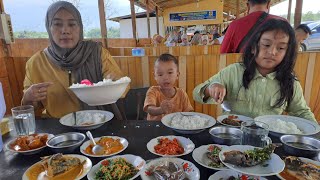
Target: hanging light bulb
198, 3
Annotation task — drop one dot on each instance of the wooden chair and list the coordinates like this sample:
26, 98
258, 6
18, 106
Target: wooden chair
133, 104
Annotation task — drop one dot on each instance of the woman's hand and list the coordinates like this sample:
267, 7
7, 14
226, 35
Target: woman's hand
36, 93
166, 106
216, 91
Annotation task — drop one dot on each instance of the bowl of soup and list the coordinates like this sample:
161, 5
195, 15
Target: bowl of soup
66, 142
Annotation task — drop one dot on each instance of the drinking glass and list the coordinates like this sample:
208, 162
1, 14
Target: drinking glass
23, 120
255, 133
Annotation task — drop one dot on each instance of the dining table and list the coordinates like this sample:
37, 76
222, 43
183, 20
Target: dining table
137, 132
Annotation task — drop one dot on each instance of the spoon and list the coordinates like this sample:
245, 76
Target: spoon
96, 149
225, 106
75, 118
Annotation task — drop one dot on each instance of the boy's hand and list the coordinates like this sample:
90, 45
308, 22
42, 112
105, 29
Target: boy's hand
217, 92
166, 106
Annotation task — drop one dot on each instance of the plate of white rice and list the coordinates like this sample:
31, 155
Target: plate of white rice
188, 122
283, 124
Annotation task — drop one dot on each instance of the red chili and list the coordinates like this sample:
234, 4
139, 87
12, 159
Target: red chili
105, 163
185, 166
244, 177
148, 173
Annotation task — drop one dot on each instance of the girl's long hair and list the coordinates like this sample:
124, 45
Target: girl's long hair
284, 71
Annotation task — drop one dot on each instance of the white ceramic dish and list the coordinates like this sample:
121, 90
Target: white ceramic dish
136, 161
68, 120
240, 117
303, 160
123, 141
199, 155
86, 168
190, 169
186, 143
225, 174
100, 95
271, 167
306, 126
167, 119
28, 152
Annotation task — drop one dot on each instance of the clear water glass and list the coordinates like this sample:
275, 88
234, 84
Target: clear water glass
255, 133
24, 120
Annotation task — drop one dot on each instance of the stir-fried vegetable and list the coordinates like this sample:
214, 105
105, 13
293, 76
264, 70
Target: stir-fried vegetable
213, 155
116, 169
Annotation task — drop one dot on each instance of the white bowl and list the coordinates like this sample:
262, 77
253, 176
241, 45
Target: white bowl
307, 127
190, 169
136, 161
186, 143
28, 152
68, 120
86, 168
100, 95
123, 141
167, 119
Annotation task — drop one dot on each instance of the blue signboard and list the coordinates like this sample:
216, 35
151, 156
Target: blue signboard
192, 16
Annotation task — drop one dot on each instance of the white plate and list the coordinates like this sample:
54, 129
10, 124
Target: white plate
28, 152
68, 120
275, 164
225, 174
86, 168
240, 117
123, 141
192, 171
303, 160
306, 126
186, 143
199, 155
136, 161
166, 120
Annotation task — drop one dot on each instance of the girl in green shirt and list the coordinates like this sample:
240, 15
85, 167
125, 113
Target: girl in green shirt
264, 82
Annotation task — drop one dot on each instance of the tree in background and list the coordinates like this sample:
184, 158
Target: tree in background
309, 16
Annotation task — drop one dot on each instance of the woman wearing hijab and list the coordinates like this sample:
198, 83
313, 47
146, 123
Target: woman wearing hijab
68, 59
196, 39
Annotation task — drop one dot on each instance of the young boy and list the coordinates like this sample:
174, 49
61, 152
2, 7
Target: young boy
165, 98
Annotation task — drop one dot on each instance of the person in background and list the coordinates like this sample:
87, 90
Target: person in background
204, 40
196, 39
302, 33
171, 40
68, 59
166, 98
264, 82
241, 30
184, 39
220, 39
158, 40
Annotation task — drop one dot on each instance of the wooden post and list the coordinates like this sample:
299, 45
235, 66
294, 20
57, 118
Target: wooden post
157, 19
238, 9
1, 6
298, 13
289, 11
103, 24
148, 19
133, 19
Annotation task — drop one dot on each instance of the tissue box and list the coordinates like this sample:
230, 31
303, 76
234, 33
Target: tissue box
4, 126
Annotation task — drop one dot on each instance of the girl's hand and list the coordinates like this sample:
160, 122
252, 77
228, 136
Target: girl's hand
36, 93
166, 106
217, 92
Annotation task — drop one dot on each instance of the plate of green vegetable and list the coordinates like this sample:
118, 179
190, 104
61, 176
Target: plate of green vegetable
208, 156
122, 167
